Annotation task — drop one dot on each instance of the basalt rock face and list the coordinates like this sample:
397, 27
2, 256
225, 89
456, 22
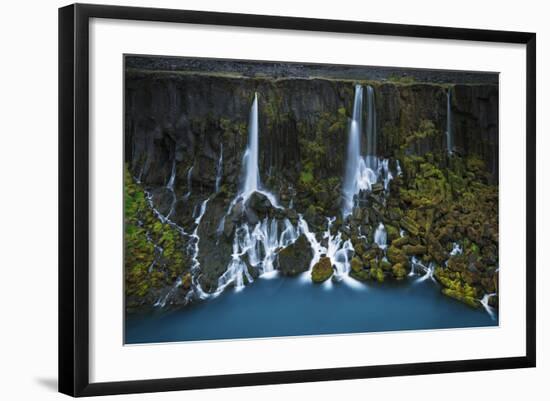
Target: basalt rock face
186, 136
189, 117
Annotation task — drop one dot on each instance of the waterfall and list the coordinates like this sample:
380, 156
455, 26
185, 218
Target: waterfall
428, 270
449, 132
260, 245
193, 250
237, 269
219, 169
362, 172
289, 234
251, 175
337, 250
457, 250
170, 187
353, 152
172, 179
384, 172
189, 182
485, 303
380, 236
371, 129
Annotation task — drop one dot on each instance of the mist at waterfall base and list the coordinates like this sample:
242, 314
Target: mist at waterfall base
286, 306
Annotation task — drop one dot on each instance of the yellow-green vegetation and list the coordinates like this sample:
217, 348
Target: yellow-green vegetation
401, 79
439, 202
322, 270
153, 252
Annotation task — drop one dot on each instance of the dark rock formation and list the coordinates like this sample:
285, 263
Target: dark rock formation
185, 118
295, 258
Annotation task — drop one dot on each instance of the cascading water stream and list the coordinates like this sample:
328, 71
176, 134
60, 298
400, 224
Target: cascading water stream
380, 236
193, 250
428, 270
485, 303
189, 183
362, 172
219, 170
251, 182
349, 188
337, 250
260, 246
170, 187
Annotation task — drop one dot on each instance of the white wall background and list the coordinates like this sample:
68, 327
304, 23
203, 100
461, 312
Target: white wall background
28, 199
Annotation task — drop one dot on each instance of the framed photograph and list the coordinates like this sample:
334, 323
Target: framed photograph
249, 199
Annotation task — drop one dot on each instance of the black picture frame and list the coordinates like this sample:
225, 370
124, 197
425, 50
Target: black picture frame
74, 198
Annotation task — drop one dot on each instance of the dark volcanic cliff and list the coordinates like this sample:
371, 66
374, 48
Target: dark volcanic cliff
193, 114
195, 124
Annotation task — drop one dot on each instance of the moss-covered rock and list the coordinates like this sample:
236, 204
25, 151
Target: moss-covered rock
410, 250
399, 271
322, 270
396, 255
376, 273
356, 264
461, 296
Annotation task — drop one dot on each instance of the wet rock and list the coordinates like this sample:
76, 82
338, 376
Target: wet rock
251, 217
399, 242
377, 188
259, 203
322, 270
392, 232
385, 265
414, 250
396, 255
461, 296
436, 250
376, 273
356, 264
295, 258
399, 271
409, 225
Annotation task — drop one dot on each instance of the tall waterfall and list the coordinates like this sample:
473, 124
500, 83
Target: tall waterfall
449, 132
219, 170
353, 153
371, 129
252, 174
362, 172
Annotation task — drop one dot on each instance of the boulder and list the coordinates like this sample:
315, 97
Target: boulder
295, 258
259, 203
399, 271
376, 273
396, 255
414, 250
356, 264
409, 225
322, 270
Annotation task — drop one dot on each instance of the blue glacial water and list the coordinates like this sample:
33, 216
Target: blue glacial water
291, 307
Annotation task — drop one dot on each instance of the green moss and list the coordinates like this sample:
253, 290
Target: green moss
399, 271
322, 270
401, 79
376, 273
146, 267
